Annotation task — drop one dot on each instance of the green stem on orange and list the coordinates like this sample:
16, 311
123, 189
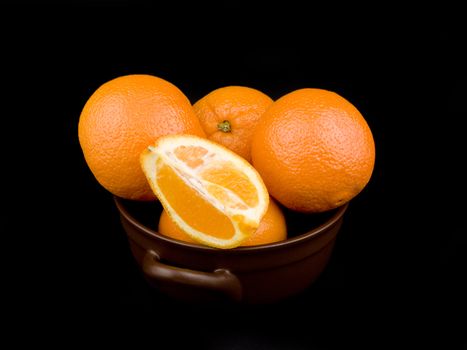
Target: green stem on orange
224, 126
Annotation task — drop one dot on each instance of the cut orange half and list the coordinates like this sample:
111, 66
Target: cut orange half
211, 193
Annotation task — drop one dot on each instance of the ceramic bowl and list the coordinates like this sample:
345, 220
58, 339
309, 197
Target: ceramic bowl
256, 274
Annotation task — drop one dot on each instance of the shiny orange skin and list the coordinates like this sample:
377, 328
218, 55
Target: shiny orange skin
314, 150
238, 109
123, 117
272, 228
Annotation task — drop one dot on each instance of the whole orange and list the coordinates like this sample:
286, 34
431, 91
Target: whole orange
120, 119
314, 150
229, 116
272, 228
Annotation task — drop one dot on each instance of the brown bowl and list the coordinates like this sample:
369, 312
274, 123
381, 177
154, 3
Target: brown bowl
255, 274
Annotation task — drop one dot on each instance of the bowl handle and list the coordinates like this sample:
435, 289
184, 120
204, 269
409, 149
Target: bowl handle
221, 279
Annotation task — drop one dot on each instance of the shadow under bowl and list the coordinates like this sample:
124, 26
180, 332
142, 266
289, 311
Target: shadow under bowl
255, 274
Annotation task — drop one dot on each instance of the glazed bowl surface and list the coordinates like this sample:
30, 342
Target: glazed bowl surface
255, 274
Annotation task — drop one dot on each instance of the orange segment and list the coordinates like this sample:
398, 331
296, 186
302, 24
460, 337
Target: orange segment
192, 156
191, 206
209, 192
272, 228
235, 181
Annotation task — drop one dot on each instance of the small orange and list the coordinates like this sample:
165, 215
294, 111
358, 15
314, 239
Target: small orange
272, 228
124, 116
229, 116
314, 150
211, 193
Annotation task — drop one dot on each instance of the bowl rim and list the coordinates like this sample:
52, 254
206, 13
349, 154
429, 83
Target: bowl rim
275, 245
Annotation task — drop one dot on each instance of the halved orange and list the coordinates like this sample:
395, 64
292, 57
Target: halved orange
211, 193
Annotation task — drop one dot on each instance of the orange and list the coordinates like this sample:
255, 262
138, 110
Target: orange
229, 116
124, 116
314, 150
272, 228
210, 192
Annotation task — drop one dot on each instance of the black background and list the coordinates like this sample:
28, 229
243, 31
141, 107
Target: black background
397, 273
